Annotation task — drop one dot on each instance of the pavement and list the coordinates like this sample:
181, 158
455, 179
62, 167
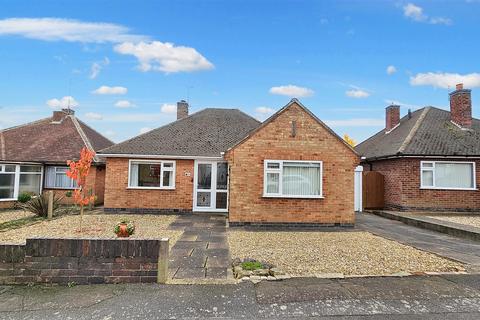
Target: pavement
414, 297
202, 251
463, 250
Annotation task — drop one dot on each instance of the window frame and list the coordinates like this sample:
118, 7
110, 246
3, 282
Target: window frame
72, 187
280, 187
16, 174
432, 169
162, 170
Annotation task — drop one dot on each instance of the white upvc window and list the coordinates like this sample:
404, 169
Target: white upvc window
151, 174
451, 175
292, 179
56, 178
18, 178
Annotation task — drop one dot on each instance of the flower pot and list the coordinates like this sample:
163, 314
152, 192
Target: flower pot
123, 232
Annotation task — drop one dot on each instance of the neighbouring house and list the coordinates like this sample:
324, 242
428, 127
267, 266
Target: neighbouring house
33, 157
290, 169
429, 158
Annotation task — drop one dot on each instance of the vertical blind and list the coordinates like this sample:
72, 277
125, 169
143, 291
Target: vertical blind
301, 179
453, 175
293, 178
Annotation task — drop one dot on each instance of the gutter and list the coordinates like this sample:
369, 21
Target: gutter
399, 156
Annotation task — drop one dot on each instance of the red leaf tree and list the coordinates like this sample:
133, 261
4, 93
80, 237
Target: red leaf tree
78, 171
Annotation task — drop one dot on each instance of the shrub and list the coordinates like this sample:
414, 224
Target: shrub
252, 265
24, 197
39, 205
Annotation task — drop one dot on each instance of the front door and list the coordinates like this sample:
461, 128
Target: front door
211, 186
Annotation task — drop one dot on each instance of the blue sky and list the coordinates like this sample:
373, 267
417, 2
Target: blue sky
124, 65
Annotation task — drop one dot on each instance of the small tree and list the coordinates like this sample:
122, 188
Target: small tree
349, 140
79, 171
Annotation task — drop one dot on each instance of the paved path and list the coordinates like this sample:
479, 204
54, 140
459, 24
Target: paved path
202, 251
466, 251
434, 297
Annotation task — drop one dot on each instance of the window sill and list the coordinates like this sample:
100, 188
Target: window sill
57, 188
5, 200
151, 188
293, 197
453, 189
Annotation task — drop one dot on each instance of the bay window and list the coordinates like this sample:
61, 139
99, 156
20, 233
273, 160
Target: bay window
447, 175
145, 174
56, 178
294, 179
16, 179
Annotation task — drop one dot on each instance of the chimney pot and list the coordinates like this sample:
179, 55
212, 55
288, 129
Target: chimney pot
392, 117
461, 106
182, 109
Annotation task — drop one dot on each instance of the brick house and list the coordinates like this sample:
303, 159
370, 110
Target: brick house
289, 169
33, 157
430, 158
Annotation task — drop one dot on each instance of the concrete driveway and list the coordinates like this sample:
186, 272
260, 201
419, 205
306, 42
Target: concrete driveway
460, 249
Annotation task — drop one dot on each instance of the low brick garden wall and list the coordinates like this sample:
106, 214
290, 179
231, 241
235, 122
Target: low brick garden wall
81, 261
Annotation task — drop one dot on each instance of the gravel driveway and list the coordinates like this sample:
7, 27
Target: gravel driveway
350, 253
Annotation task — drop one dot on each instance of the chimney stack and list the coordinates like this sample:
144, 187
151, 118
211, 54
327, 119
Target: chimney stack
59, 115
182, 109
392, 117
461, 106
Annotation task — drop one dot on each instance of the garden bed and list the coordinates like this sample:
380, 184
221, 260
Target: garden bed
350, 253
94, 226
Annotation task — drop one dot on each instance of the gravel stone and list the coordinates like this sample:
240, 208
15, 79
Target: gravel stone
350, 253
95, 226
466, 220
11, 215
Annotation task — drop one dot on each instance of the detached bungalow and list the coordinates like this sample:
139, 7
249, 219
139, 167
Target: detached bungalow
290, 169
33, 157
429, 158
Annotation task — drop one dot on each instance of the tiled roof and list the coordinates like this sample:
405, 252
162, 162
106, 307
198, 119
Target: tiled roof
49, 142
428, 132
205, 133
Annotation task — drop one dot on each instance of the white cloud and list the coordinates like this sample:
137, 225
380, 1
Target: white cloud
65, 102
357, 93
168, 108
110, 133
164, 57
124, 104
391, 70
403, 104
357, 122
445, 80
93, 116
292, 91
415, 13
264, 110
110, 90
145, 130
97, 67
56, 29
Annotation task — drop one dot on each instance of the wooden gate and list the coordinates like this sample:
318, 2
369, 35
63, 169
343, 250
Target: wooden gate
373, 189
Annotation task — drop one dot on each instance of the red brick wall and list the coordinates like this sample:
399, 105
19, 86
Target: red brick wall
82, 261
402, 188
117, 194
274, 141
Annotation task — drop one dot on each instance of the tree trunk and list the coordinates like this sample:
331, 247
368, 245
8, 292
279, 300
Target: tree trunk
81, 217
